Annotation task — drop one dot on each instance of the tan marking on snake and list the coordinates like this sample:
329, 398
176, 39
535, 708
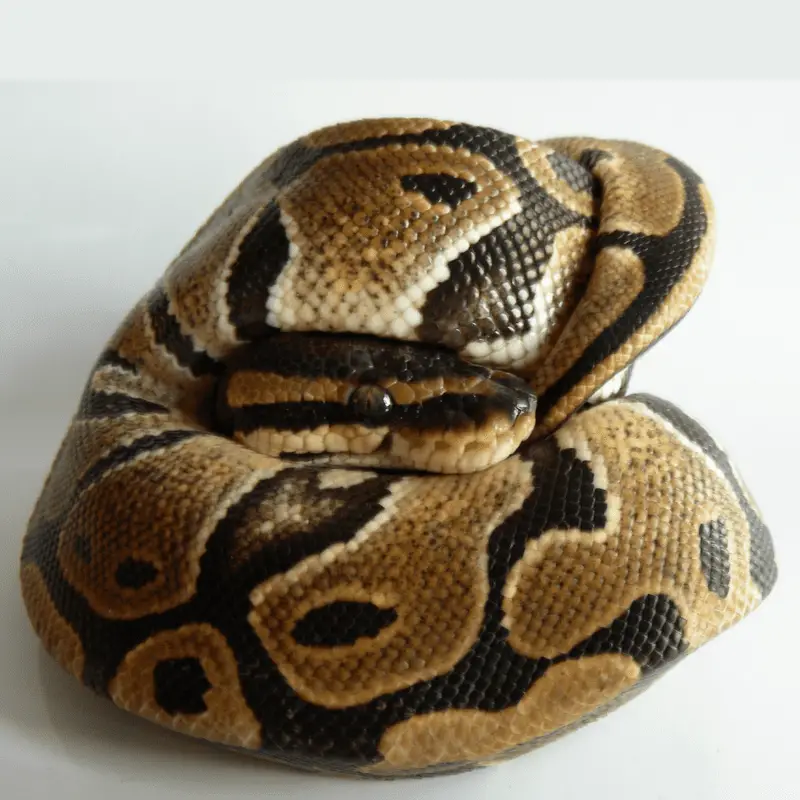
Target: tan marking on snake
642, 193
112, 379
227, 719
96, 438
674, 307
254, 387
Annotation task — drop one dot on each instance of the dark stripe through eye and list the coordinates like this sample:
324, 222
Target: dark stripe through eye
447, 411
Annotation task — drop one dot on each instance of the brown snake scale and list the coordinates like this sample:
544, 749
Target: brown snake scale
357, 487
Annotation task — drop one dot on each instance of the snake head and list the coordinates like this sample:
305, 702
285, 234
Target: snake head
366, 402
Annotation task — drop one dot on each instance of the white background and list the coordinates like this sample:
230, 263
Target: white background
99, 188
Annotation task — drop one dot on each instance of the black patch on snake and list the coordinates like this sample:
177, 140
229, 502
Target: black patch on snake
121, 455
263, 253
179, 685
651, 631
341, 623
167, 332
111, 358
763, 569
115, 404
714, 556
440, 188
450, 411
366, 359
666, 260
575, 174
135, 574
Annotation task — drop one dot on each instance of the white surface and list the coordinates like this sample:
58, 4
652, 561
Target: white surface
205, 39
101, 187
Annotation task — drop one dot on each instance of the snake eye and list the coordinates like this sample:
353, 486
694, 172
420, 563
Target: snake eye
370, 401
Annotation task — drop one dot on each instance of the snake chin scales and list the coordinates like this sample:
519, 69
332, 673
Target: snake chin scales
357, 486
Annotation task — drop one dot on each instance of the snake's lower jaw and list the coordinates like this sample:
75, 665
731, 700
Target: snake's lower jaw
454, 452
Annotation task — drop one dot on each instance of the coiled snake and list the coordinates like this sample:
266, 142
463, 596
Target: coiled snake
303, 508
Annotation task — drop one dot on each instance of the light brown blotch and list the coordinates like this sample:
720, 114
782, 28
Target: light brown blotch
115, 380
254, 387
227, 718
86, 442
343, 478
424, 555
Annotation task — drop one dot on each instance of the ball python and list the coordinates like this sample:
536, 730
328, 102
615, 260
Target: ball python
358, 486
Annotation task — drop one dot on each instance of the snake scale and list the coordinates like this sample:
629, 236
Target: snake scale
357, 487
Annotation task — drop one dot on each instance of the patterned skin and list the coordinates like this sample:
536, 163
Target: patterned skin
356, 487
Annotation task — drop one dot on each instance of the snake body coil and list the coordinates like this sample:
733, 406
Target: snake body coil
356, 486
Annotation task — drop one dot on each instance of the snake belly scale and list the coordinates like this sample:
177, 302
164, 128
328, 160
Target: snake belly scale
357, 486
